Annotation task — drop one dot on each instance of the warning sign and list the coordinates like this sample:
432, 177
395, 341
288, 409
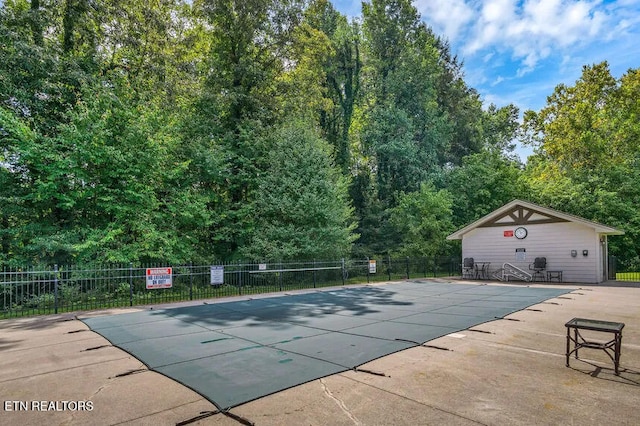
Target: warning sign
372, 266
217, 275
159, 278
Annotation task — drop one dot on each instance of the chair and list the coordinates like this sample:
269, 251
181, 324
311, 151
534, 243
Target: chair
538, 267
468, 268
483, 272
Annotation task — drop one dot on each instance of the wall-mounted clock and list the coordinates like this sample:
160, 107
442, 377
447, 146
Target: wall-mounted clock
521, 233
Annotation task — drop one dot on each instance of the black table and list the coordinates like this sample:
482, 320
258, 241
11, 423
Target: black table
554, 275
482, 270
611, 347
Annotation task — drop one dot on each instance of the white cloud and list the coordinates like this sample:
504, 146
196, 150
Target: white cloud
498, 80
498, 11
488, 56
518, 51
532, 29
627, 24
522, 71
448, 17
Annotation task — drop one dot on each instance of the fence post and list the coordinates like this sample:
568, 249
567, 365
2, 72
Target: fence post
239, 278
368, 270
389, 266
314, 273
407, 265
55, 288
343, 271
190, 280
130, 283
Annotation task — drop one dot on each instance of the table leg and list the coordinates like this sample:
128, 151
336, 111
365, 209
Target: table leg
568, 344
575, 342
617, 354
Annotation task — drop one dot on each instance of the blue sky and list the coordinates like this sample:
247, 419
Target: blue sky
519, 51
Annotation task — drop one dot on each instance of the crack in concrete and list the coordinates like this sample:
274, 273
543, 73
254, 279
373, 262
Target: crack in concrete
20, 378
340, 403
97, 392
414, 400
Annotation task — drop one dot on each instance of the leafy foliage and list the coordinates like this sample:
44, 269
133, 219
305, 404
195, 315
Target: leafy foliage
177, 131
484, 182
423, 219
588, 152
301, 208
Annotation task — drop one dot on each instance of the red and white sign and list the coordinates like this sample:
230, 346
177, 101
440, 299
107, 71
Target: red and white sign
159, 278
508, 233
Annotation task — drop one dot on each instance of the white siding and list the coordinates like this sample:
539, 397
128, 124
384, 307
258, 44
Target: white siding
553, 241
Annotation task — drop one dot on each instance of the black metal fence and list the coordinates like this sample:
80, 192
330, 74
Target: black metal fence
46, 290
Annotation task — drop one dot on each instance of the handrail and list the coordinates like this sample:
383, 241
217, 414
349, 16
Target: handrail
509, 269
261, 271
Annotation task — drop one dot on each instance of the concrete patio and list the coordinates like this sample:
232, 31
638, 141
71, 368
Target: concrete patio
509, 371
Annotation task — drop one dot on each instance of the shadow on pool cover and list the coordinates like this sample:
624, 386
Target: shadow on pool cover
234, 352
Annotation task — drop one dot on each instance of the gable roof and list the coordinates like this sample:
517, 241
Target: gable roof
519, 212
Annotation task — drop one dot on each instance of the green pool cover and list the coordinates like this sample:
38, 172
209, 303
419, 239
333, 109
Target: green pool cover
235, 352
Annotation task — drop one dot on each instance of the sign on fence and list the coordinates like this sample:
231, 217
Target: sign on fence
159, 278
217, 275
372, 266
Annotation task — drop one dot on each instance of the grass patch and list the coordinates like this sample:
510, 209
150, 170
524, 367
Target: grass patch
628, 276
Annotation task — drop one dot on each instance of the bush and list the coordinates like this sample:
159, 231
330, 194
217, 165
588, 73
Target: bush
47, 300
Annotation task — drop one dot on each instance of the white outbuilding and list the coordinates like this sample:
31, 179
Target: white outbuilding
506, 243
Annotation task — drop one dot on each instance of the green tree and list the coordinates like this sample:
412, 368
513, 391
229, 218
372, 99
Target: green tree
14, 134
301, 208
146, 131
500, 128
302, 82
401, 131
107, 186
482, 183
588, 154
390, 28
158, 48
423, 220
102, 149
461, 107
573, 127
342, 70
389, 140
239, 105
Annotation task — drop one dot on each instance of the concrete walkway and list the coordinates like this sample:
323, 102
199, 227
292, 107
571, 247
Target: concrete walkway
54, 371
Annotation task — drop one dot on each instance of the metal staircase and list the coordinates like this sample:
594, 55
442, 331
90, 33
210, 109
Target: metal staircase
511, 271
